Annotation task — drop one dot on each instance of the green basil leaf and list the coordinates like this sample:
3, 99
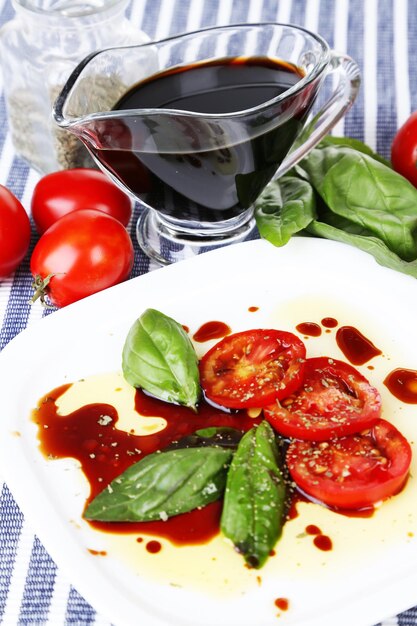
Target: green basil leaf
255, 496
158, 356
285, 207
332, 219
222, 436
356, 144
162, 485
364, 191
377, 248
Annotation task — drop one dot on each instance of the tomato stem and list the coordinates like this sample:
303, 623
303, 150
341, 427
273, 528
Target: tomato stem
40, 284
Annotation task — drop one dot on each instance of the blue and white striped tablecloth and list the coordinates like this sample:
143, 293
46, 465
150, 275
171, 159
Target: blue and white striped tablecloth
381, 35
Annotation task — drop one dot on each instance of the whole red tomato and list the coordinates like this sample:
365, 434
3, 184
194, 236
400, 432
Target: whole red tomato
82, 253
404, 150
14, 232
59, 193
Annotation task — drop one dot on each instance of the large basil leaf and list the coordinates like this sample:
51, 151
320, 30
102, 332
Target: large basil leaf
285, 207
158, 356
162, 485
255, 495
382, 254
366, 192
356, 144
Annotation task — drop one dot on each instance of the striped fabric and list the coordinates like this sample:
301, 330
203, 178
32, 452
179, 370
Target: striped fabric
382, 36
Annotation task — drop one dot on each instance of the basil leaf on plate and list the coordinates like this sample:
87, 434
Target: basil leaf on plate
222, 436
285, 207
255, 496
158, 356
163, 484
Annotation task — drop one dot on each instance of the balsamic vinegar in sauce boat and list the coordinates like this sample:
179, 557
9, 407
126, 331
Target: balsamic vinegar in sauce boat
212, 168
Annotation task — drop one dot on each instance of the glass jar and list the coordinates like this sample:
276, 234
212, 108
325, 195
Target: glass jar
39, 49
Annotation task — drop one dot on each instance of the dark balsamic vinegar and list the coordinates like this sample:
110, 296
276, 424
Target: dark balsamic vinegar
207, 168
219, 86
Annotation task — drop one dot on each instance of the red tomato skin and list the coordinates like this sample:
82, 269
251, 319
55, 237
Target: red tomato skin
235, 388
14, 232
63, 192
367, 482
320, 415
86, 251
404, 150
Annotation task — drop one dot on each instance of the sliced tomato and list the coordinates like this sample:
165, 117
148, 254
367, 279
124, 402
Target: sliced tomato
334, 400
252, 368
352, 472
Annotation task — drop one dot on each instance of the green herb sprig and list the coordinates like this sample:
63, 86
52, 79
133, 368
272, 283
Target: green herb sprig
349, 194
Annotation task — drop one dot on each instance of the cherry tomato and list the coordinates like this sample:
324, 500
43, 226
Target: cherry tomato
352, 472
59, 193
85, 252
404, 150
252, 368
14, 232
335, 400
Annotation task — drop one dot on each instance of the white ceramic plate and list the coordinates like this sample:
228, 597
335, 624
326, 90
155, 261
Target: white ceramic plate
371, 573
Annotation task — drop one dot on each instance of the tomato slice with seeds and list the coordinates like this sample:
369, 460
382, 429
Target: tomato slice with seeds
252, 368
352, 472
334, 400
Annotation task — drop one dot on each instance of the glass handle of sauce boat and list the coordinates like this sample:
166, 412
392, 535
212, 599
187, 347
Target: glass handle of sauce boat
347, 73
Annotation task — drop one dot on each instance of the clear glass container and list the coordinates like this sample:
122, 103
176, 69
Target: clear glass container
198, 169
39, 49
